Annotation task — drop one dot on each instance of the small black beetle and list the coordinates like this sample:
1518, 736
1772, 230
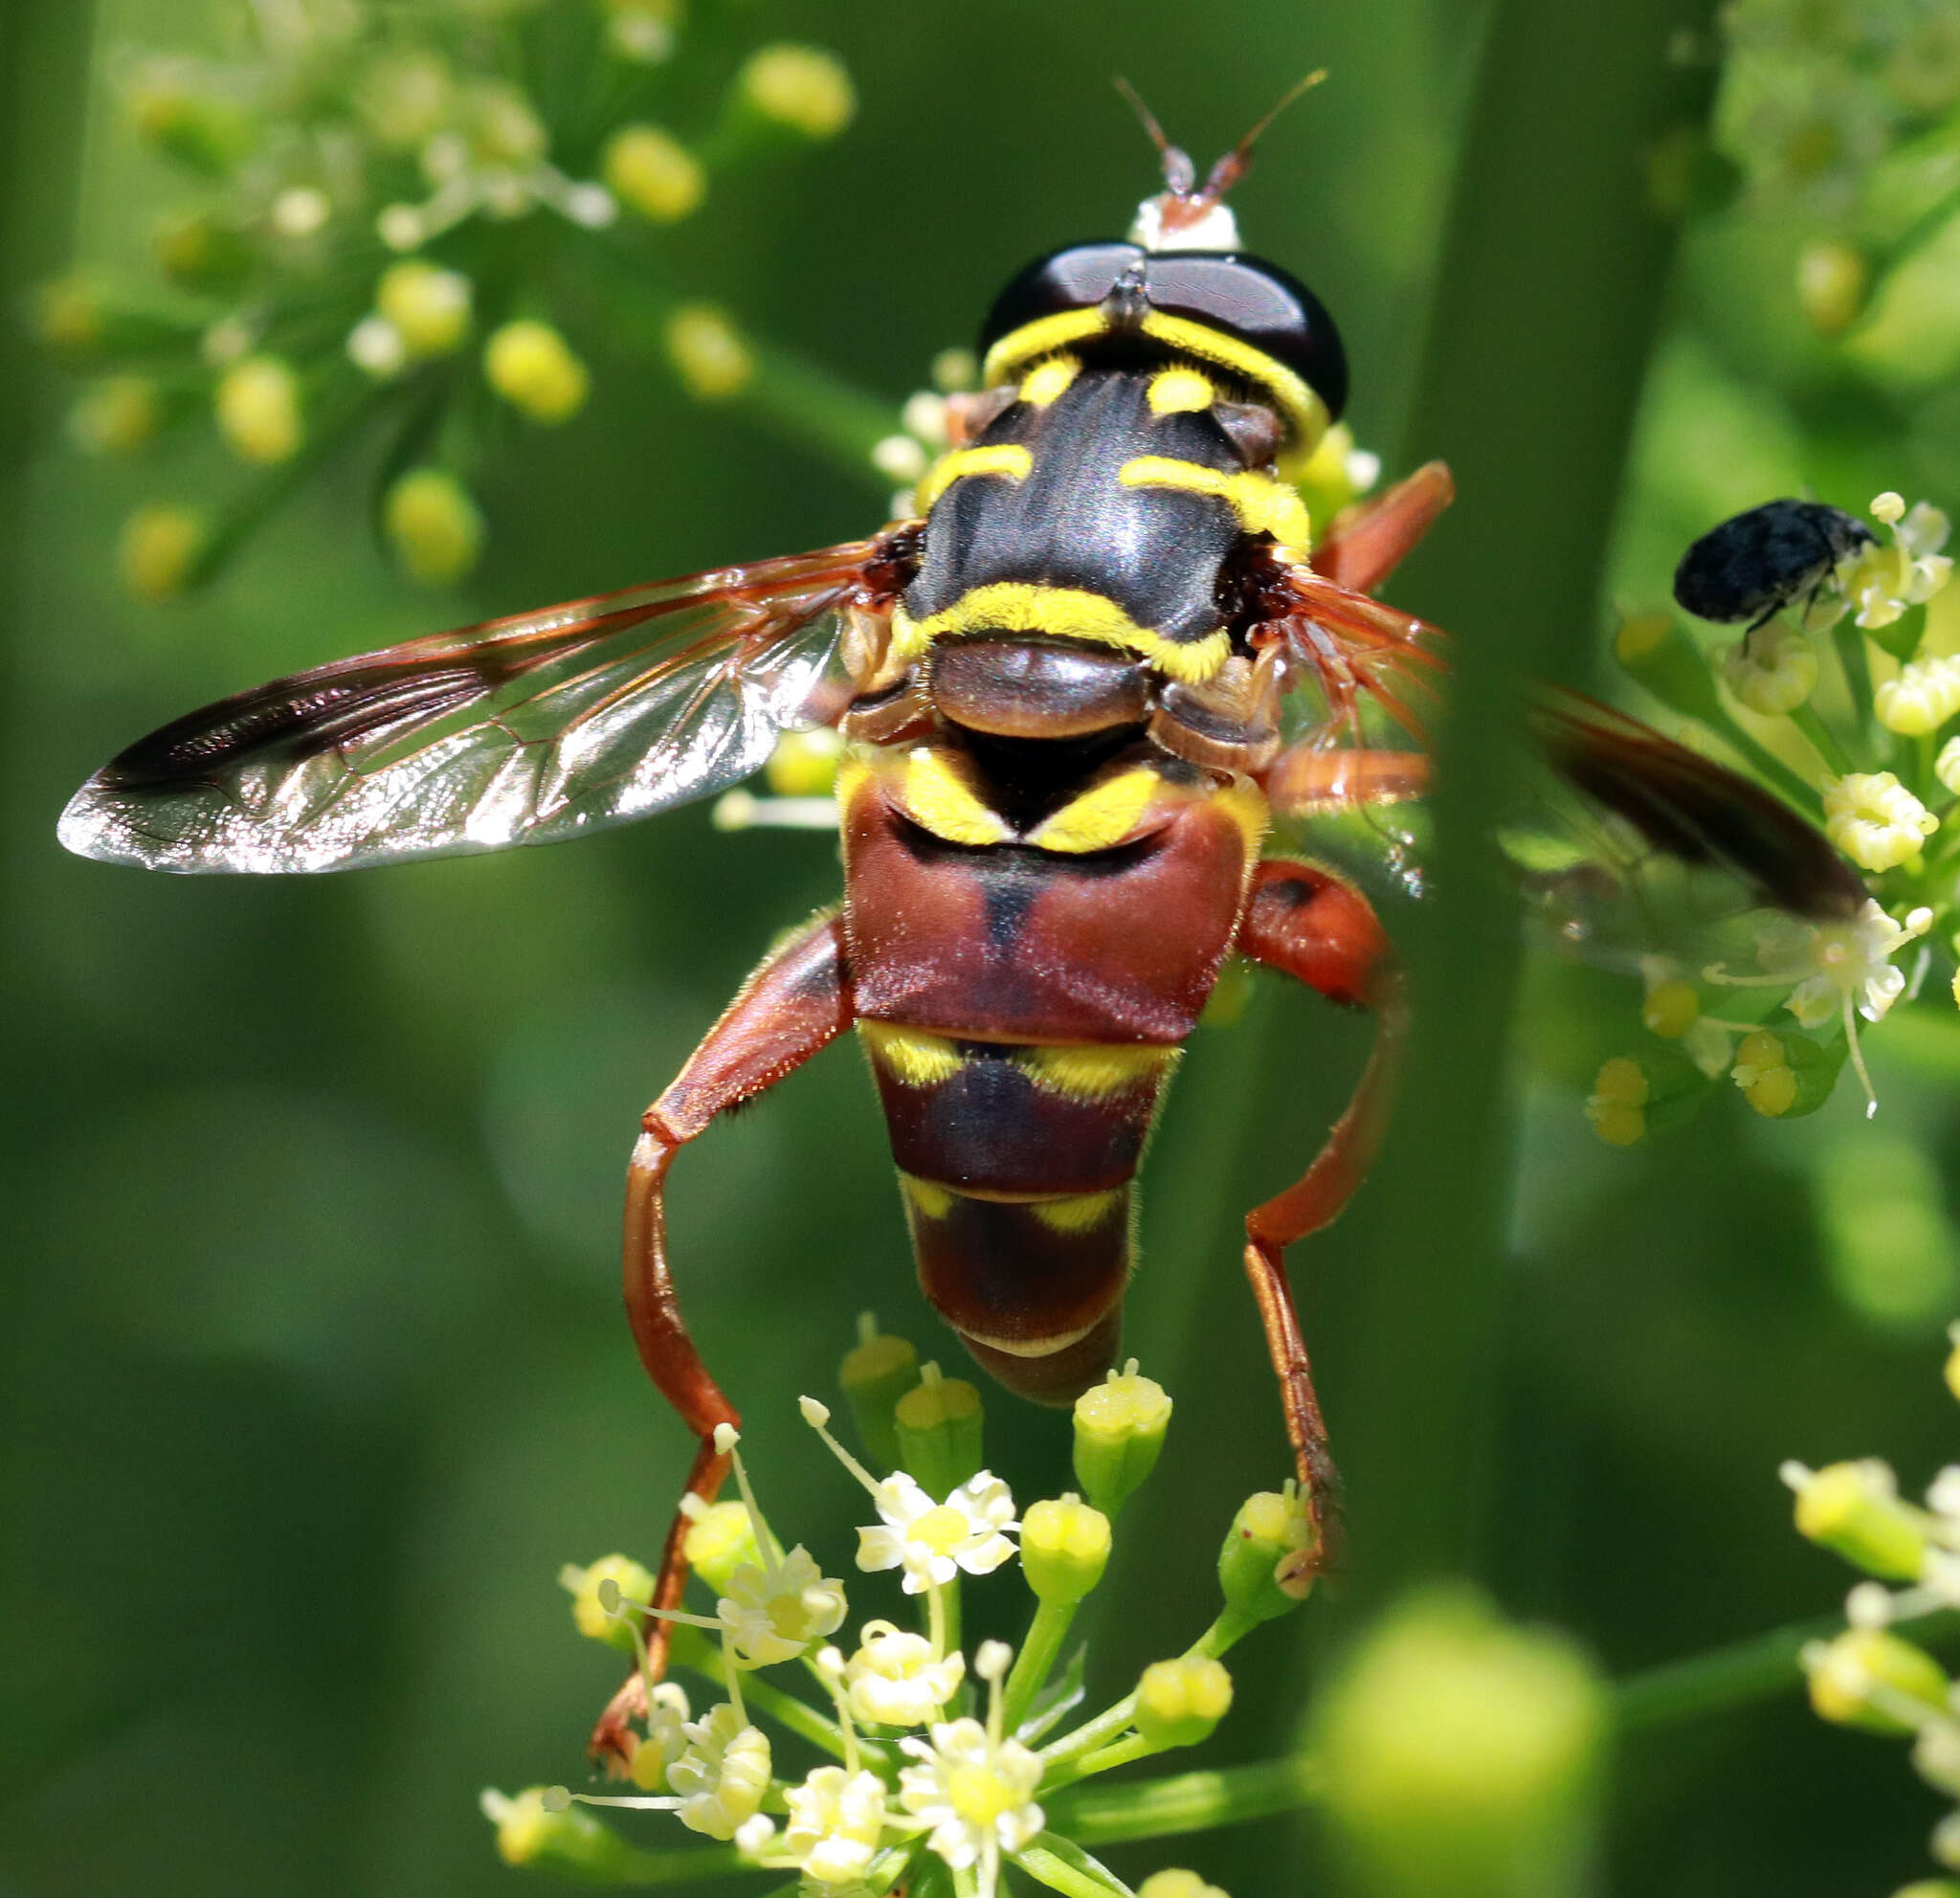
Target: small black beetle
1754, 565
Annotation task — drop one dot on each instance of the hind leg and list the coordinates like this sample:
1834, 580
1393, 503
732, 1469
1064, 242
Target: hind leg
796, 1003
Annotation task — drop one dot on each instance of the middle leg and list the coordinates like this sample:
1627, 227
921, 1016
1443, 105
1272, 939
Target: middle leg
1307, 923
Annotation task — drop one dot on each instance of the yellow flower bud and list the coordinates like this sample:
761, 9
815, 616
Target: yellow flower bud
159, 550
1923, 697
404, 97
1832, 280
1179, 1703
429, 306
1616, 1106
633, 1583
642, 29
1257, 1560
1869, 1679
721, 1539
68, 315
804, 763
1175, 1882
1460, 1754
1772, 671
1947, 766
654, 173
801, 87
1064, 1547
503, 127
1119, 1430
257, 404
533, 368
432, 526
1952, 1371
117, 416
939, 1423
199, 251
708, 353
1874, 821
536, 1828
1671, 1010
1854, 1509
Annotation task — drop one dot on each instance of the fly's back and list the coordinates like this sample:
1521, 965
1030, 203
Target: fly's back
1049, 810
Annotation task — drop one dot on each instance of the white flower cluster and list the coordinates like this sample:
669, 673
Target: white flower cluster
1871, 1676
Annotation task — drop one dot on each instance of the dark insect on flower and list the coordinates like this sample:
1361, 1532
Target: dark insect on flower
1754, 565
1075, 694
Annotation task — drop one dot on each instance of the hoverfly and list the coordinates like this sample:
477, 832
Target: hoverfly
1075, 693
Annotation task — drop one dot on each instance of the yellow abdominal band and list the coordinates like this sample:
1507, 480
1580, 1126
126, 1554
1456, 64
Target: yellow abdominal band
1264, 503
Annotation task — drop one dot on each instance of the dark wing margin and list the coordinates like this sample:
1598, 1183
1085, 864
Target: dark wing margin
1691, 809
521, 731
1356, 657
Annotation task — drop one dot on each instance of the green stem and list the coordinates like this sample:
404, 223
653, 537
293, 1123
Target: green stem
1849, 640
1187, 1802
1063, 1866
1806, 720
1230, 1627
343, 415
643, 1869
1135, 1747
1046, 1633
1744, 1671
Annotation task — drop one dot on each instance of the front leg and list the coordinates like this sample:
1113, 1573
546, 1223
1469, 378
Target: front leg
796, 1002
1308, 923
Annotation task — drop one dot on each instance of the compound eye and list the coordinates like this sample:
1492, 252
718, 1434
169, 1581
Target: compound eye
1075, 277
1260, 304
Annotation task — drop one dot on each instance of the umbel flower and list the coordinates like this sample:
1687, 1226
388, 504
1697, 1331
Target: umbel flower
411, 230
923, 1778
1873, 1675
1879, 773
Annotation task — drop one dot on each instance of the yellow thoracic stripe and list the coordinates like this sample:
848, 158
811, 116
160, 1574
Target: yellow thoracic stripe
1180, 391
1264, 503
1092, 1071
910, 1055
1304, 412
1007, 459
1046, 381
1063, 612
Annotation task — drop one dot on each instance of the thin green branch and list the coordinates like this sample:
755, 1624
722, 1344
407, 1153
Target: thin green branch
1187, 1802
1035, 1662
1744, 1671
1063, 1866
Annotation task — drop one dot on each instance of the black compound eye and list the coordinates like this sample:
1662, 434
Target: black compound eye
1245, 296
1076, 278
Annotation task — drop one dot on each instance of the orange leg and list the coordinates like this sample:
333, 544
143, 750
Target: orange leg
798, 1002
1369, 541
1310, 925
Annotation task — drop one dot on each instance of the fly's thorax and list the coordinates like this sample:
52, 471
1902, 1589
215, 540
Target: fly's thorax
1101, 506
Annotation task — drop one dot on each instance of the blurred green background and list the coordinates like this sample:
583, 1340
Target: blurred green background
311, 1361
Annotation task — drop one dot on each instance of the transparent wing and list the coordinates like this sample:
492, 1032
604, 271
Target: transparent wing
522, 730
1625, 842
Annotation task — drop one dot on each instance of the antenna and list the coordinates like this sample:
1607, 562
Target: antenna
1181, 218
